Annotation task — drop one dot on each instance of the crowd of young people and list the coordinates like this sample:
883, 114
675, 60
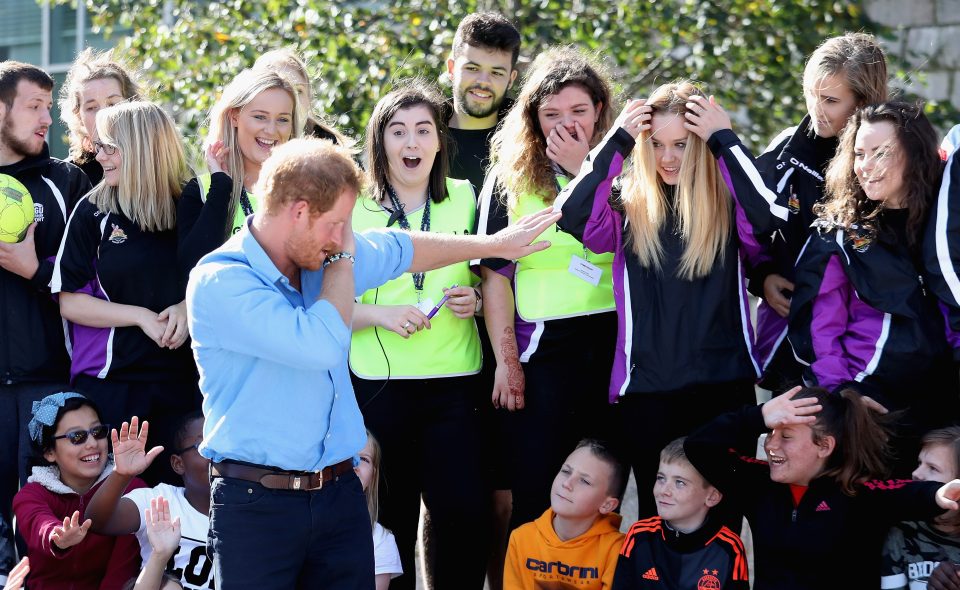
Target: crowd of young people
527, 277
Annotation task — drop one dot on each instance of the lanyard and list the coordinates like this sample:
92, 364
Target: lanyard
399, 216
245, 203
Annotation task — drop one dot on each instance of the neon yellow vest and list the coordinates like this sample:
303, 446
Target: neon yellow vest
544, 287
451, 347
238, 216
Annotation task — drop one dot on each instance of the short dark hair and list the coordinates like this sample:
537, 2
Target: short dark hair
11, 72
407, 94
181, 426
46, 437
619, 472
488, 30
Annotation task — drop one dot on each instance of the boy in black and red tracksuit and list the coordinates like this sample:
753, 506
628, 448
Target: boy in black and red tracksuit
805, 537
33, 355
684, 546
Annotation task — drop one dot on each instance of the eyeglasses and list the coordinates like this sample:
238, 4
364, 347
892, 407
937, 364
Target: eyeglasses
195, 445
78, 437
106, 148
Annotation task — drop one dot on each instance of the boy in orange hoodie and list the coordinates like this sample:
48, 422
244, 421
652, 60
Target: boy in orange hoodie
575, 543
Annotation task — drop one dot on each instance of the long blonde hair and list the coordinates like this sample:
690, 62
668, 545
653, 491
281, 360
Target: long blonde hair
703, 208
239, 93
153, 167
91, 65
518, 150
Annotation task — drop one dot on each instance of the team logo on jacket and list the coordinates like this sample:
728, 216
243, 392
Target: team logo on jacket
860, 238
117, 236
709, 580
793, 203
38, 212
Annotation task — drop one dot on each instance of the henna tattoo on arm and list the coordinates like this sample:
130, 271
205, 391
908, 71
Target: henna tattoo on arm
511, 358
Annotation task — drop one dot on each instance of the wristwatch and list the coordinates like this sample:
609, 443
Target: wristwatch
339, 255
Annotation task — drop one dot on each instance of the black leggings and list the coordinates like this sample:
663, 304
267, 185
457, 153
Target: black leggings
430, 434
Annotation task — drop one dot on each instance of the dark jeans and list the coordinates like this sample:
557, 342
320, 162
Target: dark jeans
430, 431
162, 403
264, 538
16, 405
648, 421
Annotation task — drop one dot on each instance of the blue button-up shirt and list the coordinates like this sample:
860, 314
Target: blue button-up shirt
273, 360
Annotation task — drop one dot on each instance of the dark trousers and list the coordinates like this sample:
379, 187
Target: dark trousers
430, 431
263, 538
162, 403
16, 406
648, 421
565, 400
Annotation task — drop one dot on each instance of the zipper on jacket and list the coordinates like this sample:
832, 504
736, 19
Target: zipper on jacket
793, 515
922, 288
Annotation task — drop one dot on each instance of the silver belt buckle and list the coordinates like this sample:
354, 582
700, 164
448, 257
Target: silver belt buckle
296, 482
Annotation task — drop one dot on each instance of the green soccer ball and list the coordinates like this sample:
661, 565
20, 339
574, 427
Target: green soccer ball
16, 210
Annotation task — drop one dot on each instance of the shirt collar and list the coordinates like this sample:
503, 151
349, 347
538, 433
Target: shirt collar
256, 255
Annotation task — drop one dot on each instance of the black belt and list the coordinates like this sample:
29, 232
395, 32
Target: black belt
277, 479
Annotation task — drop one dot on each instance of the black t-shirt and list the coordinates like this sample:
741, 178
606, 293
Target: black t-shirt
108, 256
470, 155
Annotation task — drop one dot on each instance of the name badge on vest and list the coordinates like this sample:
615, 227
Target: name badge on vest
426, 305
584, 270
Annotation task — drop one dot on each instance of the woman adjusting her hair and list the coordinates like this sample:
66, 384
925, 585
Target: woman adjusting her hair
684, 339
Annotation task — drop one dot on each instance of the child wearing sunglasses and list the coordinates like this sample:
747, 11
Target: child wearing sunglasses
113, 513
71, 461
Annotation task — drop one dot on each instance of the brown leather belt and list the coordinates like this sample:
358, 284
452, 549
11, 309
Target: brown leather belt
276, 479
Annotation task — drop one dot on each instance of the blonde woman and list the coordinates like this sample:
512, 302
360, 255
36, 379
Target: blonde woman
552, 331
116, 273
287, 63
257, 112
95, 81
684, 340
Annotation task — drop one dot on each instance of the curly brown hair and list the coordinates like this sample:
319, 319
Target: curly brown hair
916, 141
518, 150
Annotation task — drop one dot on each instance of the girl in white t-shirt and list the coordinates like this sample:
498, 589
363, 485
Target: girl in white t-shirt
385, 553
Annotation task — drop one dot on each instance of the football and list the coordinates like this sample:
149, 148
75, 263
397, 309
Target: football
16, 209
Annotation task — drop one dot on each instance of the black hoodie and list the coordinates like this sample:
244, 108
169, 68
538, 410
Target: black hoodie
32, 344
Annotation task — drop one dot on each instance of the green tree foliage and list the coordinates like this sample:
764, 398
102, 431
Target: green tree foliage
749, 53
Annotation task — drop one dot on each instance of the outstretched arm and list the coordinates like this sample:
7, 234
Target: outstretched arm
435, 250
110, 513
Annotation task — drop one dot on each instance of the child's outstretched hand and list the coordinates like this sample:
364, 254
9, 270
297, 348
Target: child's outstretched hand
17, 575
71, 532
783, 410
163, 533
705, 117
129, 448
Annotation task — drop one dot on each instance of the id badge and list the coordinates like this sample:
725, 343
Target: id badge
584, 270
426, 305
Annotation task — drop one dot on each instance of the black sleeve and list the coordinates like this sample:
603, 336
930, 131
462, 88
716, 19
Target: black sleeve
201, 226
79, 186
492, 216
585, 201
75, 266
765, 209
941, 243
625, 577
898, 500
720, 449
